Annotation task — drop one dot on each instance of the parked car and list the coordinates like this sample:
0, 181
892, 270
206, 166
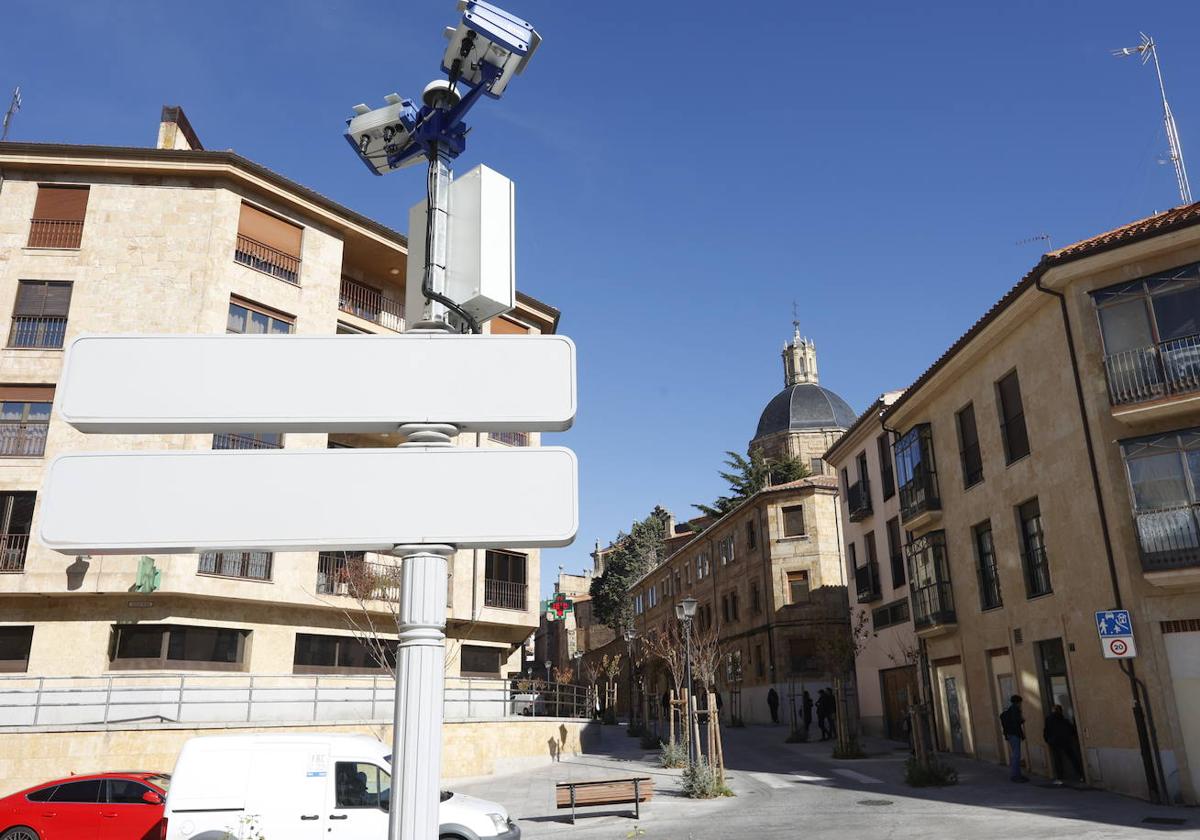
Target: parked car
303, 787
113, 806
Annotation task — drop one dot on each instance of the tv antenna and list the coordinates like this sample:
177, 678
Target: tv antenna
1041, 237
1149, 50
13, 106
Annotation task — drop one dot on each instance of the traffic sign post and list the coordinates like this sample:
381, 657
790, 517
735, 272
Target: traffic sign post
1116, 634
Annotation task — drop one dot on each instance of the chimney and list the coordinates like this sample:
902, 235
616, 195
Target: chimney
175, 132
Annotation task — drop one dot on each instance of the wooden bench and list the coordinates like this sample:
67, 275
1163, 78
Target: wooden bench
606, 792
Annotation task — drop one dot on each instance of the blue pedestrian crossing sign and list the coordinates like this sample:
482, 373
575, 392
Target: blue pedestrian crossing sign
1116, 634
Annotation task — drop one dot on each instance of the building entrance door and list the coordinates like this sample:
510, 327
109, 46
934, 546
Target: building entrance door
899, 688
954, 716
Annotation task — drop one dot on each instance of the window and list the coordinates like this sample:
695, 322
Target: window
246, 318
653, 596
24, 420
802, 658
929, 580
733, 605
755, 597
916, 472
797, 583
16, 515
725, 550
42, 795
872, 565
126, 792
678, 583
725, 608
1012, 418
639, 604
268, 244
1164, 480
666, 586
861, 461
505, 584
751, 536
701, 565
687, 573
246, 565
816, 466
895, 552
758, 661
316, 654
968, 446
361, 785
15, 643
39, 319
890, 614
852, 555
845, 482
152, 646
1033, 544
793, 521
887, 475
985, 557
58, 215
85, 791
480, 661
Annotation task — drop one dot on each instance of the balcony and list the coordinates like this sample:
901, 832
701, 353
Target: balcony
1169, 539
932, 597
858, 499
350, 574
235, 440
22, 440
933, 607
245, 565
1161, 373
268, 260
504, 594
55, 233
919, 499
370, 305
866, 582
12, 553
33, 332
510, 438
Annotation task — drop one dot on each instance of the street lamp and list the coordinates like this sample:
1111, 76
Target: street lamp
685, 611
630, 634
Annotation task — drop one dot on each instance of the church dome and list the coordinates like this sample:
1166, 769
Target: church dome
804, 406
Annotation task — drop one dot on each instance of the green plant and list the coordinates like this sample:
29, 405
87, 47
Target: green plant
851, 750
673, 755
934, 774
701, 782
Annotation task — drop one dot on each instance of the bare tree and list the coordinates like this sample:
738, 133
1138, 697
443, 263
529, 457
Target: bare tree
668, 645
612, 668
706, 667
838, 645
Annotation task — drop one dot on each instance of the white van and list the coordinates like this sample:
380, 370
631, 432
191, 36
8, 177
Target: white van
303, 787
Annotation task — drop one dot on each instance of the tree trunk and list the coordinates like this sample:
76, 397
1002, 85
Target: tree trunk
671, 719
695, 723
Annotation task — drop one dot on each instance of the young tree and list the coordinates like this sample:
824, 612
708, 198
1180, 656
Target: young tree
838, 645
667, 644
635, 553
747, 475
706, 666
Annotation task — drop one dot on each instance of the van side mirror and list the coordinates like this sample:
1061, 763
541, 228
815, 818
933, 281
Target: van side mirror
152, 797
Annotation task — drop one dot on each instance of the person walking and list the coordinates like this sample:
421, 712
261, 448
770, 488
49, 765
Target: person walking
773, 704
807, 711
823, 711
1012, 721
1063, 740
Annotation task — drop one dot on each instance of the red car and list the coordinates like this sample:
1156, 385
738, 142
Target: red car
101, 806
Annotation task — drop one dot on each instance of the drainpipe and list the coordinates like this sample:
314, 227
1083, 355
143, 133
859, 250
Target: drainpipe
764, 542
1156, 781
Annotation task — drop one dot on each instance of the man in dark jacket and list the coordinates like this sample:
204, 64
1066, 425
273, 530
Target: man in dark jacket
825, 713
773, 704
807, 706
1013, 724
1063, 740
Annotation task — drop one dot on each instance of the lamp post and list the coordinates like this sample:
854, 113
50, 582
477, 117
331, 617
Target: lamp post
630, 634
547, 665
578, 657
685, 611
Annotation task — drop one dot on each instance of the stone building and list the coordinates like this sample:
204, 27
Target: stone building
176, 239
1047, 468
886, 667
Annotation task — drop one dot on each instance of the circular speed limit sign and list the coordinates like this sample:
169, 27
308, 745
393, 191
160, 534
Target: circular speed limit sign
1118, 647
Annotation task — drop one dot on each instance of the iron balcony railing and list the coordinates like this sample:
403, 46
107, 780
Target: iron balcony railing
37, 331
12, 552
1150, 373
368, 304
233, 440
1169, 537
22, 440
858, 499
55, 233
1037, 571
247, 565
264, 258
932, 604
504, 594
866, 582
919, 494
510, 438
350, 574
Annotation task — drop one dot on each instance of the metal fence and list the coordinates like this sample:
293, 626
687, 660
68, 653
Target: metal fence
264, 258
37, 331
55, 233
371, 305
20, 439
264, 698
12, 552
1147, 373
1169, 537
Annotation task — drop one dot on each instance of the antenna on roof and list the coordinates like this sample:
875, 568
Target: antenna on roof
13, 106
1148, 50
1041, 237
796, 317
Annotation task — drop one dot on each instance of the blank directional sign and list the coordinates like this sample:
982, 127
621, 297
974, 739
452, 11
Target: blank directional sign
298, 383
309, 500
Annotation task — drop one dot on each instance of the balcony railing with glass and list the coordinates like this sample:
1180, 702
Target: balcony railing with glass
246, 565
55, 233
929, 586
264, 258
919, 494
504, 594
1169, 537
352, 575
1150, 373
22, 440
933, 604
368, 304
12, 553
36, 331
866, 583
858, 500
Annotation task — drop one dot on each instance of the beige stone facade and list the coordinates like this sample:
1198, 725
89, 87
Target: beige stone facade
161, 248
1045, 474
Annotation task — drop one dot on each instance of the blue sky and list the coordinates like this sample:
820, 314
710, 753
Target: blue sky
684, 172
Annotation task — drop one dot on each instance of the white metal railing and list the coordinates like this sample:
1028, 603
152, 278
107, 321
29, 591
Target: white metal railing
261, 698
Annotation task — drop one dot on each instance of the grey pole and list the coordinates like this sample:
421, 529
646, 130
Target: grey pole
687, 627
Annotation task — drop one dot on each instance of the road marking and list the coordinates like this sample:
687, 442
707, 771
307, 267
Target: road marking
802, 776
773, 780
781, 781
859, 777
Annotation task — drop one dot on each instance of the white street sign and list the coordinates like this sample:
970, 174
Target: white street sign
1118, 647
309, 500
300, 383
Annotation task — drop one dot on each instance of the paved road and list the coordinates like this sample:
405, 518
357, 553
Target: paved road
796, 790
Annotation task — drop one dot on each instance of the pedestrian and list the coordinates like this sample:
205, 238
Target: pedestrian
720, 705
807, 706
773, 704
823, 712
1063, 740
1013, 724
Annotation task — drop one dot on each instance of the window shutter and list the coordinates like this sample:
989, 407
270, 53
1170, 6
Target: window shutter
269, 230
507, 326
27, 393
43, 298
67, 204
